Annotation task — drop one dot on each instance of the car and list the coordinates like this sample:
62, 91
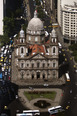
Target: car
4, 64
60, 46
9, 56
16, 96
1, 60
76, 70
15, 35
67, 107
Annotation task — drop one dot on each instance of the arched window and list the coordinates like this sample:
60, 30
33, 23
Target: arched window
54, 74
22, 41
32, 65
43, 65
22, 65
54, 49
38, 64
54, 64
22, 50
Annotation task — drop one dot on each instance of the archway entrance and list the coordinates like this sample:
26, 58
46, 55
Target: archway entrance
38, 75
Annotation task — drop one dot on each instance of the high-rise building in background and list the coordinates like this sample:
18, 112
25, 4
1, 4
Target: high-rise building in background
2, 13
67, 19
4, 5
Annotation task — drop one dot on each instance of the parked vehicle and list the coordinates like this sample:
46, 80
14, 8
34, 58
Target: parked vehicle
55, 110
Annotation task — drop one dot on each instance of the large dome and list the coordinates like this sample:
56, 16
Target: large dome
35, 24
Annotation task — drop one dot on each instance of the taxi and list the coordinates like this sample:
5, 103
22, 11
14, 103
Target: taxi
67, 107
2, 57
1, 60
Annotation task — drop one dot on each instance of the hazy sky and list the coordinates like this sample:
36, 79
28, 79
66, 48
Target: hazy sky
69, 2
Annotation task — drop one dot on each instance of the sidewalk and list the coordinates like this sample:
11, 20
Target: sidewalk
30, 104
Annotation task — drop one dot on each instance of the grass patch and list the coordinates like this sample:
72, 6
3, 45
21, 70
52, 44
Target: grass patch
40, 94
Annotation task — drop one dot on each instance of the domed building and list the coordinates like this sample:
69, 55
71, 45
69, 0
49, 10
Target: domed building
36, 58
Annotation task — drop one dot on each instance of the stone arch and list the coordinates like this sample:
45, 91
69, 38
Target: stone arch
33, 64
44, 63
44, 74
28, 74
28, 64
22, 62
49, 73
54, 73
53, 63
33, 74
38, 74
22, 74
49, 63
38, 63
54, 50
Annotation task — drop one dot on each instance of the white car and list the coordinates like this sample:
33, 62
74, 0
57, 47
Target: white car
16, 96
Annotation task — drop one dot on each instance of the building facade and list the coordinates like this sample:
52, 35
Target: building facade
67, 19
34, 57
69, 23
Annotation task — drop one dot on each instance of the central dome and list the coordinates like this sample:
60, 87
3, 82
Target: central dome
35, 24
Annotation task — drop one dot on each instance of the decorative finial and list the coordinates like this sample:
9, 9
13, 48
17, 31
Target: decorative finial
35, 14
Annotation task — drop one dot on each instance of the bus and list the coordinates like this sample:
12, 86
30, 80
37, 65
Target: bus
67, 77
55, 110
55, 25
22, 114
33, 112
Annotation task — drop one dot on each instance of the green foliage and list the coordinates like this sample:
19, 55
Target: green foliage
25, 26
40, 12
37, 94
38, 2
9, 25
18, 12
73, 47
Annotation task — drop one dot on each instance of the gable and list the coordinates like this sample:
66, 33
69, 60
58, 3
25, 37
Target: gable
38, 56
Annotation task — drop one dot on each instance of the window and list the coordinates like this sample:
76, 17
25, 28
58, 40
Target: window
36, 39
54, 49
22, 65
22, 41
27, 64
54, 73
43, 65
54, 64
38, 64
22, 50
32, 65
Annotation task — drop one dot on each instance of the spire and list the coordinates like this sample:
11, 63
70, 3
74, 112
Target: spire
35, 14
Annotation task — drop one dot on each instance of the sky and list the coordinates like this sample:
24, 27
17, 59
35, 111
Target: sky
69, 2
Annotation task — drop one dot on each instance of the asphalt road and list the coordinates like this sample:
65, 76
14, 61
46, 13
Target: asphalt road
70, 91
